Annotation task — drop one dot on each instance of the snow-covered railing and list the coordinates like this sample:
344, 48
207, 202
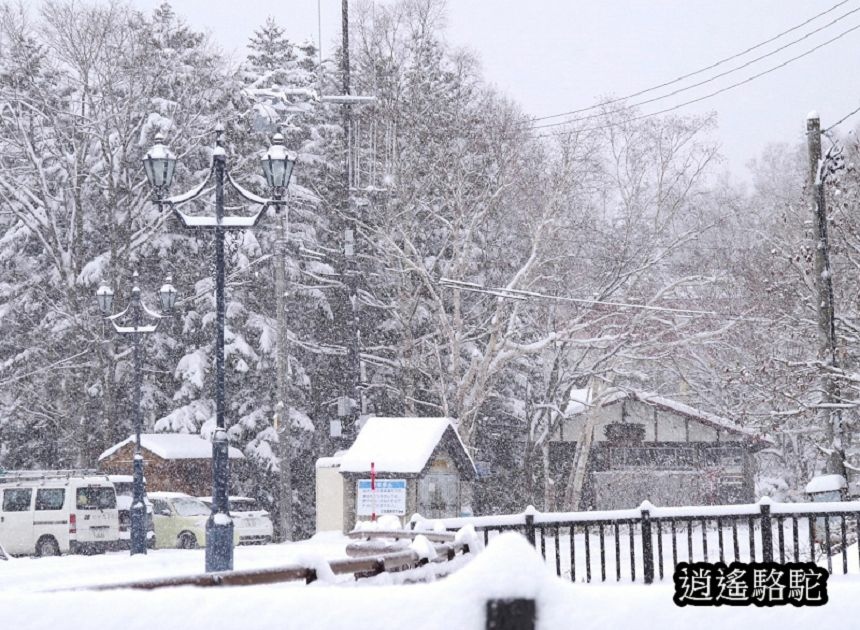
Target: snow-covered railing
648, 538
422, 549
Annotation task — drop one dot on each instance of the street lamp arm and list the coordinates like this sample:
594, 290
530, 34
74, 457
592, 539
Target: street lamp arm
152, 314
247, 194
228, 222
111, 318
191, 194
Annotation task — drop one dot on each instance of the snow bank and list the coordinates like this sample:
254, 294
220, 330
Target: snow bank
509, 568
826, 483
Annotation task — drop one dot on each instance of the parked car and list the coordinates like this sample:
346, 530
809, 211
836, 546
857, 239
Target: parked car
253, 524
124, 485
180, 520
46, 513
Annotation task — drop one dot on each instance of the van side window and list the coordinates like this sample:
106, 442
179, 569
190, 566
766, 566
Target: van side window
17, 499
50, 498
95, 498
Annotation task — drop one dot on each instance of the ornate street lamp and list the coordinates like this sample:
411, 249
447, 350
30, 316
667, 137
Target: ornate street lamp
135, 310
160, 165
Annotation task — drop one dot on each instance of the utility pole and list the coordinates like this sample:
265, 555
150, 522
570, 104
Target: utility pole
824, 299
350, 404
349, 408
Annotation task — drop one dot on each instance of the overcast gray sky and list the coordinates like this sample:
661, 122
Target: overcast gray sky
554, 56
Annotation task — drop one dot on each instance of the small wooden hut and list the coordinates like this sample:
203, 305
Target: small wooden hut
173, 462
419, 465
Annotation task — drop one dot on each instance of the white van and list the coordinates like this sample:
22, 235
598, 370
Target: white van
46, 513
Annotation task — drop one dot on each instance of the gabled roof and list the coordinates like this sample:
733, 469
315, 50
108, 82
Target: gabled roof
403, 445
173, 446
581, 400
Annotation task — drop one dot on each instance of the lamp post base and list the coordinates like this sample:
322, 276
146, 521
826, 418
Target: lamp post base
138, 528
219, 543
137, 512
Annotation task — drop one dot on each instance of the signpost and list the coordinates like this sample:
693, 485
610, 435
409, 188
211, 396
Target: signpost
390, 497
373, 489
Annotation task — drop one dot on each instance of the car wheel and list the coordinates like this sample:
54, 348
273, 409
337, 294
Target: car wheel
186, 540
47, 546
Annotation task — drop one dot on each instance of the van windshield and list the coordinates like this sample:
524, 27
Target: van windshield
95, 498
190, 507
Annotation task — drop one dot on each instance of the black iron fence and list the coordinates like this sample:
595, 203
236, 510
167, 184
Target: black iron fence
649, 541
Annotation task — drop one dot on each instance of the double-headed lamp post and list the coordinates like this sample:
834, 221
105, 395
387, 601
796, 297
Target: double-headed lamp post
135, 311
277, 165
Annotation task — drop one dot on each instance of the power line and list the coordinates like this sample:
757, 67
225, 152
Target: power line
519, 294
708, 80
711, 94
696, 72
841, 120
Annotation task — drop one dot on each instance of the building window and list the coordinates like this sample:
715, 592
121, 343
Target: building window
653, 457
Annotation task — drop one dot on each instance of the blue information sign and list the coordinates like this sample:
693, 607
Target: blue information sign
389, 497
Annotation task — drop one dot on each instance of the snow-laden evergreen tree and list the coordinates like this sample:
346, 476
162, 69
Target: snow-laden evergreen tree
105, 81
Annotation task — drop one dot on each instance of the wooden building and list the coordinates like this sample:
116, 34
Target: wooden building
644, 446
419, 464
173, 462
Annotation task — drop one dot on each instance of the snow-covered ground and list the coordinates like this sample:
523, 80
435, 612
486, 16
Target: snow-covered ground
509, 567
41, 574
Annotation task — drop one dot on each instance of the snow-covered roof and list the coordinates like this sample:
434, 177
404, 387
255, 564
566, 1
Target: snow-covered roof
330, 462
580, 400
715, 421
398, 445
173, 446
170, 495
826, 483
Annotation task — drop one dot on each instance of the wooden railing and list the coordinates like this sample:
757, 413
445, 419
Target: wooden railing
445, 545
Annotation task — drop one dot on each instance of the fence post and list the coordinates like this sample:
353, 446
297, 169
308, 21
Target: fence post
530, 525
511, 614
647, 543
766, 530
